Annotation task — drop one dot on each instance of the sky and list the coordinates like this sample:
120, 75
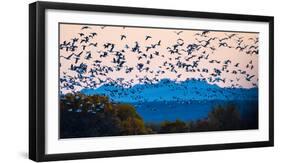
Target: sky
145, 54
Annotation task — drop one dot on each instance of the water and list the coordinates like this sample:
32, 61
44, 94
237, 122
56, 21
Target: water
189, 110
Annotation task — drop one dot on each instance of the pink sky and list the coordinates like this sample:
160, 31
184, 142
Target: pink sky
169, 38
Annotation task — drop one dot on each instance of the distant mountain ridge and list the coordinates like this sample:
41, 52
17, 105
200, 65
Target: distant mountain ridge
168, 90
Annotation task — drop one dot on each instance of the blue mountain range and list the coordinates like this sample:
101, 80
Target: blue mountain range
168, 90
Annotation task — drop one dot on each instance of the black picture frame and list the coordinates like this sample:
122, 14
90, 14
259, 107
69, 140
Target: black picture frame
37, 80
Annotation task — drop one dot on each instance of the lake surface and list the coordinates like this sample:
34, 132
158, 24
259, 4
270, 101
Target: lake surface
190, 110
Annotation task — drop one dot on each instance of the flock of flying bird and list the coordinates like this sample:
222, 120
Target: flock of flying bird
85, 58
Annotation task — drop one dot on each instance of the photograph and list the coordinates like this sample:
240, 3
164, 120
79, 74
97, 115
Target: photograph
112, 81
120, 80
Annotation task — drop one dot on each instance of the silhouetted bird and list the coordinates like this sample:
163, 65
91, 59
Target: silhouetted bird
123, 36
147, 37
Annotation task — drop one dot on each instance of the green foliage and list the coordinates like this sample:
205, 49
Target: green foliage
173, 127
95, 115
125, 111
220, 118
224, 118
89, 116
133, 126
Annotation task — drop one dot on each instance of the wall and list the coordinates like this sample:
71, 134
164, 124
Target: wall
14, 80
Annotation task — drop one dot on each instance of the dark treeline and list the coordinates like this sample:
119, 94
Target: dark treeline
95, 116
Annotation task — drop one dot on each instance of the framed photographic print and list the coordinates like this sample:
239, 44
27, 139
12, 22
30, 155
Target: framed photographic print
117, 81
